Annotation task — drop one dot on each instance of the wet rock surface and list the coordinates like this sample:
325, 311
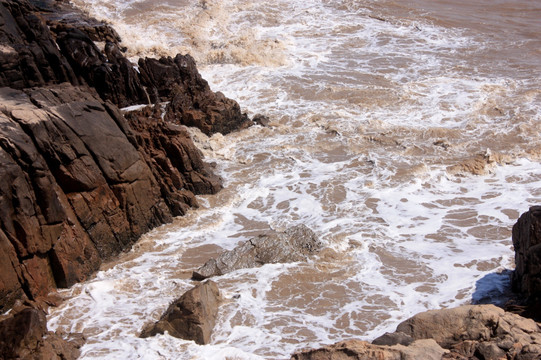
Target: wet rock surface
80, 183
466, 332
527, 275
294, 244
24, 335
80, 180
477, 331
192, 316
56, 43
362, 350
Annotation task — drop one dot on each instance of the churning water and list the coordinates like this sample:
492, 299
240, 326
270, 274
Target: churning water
407, 135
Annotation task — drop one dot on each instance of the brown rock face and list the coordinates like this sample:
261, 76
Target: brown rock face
52, 45
78, 184
527, 243
79, 181
176, 163
477, 332
29, 55
24, 335
294, 244
192, 103
192, 316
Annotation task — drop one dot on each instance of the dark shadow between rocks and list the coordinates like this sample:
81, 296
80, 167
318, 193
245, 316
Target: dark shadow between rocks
494, 288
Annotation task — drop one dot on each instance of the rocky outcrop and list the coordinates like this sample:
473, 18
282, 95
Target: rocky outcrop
477, 331
24, 335
191, 317
43, 47
527, 275
362, 350
176, 164
203, 108
467, 332
294, 244
79, 183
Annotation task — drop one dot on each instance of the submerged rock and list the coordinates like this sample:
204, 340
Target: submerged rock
191, 317
294, 244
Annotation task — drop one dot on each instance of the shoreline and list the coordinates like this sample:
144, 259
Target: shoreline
59, 111
137, 129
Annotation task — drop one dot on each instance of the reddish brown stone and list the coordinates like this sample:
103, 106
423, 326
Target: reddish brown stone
24, 336
10, 285
192, 316
78, 181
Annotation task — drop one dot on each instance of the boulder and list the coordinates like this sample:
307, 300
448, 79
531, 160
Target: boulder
294, 244
191, 317
24, 335
362, 350
466, 332
477, 331
526, 278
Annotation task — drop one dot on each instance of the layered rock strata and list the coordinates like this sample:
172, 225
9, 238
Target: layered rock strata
191, 317
294, 244
79, 181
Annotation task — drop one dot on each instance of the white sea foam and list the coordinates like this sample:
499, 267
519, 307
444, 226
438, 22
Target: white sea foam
371, 116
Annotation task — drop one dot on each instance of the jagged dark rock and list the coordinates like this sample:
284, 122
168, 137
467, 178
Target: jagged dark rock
526, 278
40, 47
192, 103
191, 317
24, 336
79, 183
294, 244
176, 163
79, 180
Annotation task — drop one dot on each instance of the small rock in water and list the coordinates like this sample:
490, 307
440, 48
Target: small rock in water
261, 120
191, 317
294, 244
